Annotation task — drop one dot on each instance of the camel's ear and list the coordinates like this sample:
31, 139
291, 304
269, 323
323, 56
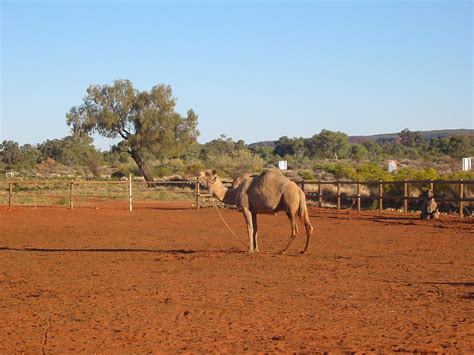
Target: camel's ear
214, 172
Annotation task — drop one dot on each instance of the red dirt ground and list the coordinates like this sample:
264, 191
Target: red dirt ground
169, 279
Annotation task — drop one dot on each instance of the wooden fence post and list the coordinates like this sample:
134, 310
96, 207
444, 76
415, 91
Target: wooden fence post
71, 191
130, 192
405, 196
380, 195
461, 197
358, 195
338, 195
10, 193
197, 194
320, 194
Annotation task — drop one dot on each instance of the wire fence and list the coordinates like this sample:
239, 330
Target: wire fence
453, 196
76, 194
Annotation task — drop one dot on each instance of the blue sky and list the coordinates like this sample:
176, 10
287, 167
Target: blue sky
250, 70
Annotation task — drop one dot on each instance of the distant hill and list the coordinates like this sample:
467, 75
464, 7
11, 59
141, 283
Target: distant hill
270, 144
427, 135
388, 137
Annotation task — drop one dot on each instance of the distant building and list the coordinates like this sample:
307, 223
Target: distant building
392, 165
466, 164
283, 165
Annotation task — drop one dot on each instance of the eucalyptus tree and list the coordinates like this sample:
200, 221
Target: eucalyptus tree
329, 144
10, 152
70, 150
145, 122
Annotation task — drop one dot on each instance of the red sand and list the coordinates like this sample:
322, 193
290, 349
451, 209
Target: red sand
170, 280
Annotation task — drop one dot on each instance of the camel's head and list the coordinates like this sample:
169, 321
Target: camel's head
208, 178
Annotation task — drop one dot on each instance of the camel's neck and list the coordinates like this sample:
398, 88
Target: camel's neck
224, 194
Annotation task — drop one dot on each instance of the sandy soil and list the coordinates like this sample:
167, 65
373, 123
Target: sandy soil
165, 278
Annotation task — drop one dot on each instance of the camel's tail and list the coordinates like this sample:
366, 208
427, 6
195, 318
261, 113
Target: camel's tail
303, 213
302, 209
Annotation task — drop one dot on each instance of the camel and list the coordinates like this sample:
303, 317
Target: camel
269, 192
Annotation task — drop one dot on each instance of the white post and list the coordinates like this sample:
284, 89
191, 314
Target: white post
130, 191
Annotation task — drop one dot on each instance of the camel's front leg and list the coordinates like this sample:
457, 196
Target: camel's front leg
255, 231
248, 220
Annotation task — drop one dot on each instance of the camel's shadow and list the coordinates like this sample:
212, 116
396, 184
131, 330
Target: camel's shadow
120, 250
147, 250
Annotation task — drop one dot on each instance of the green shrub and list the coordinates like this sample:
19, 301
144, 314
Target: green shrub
236, 164
176, 166
466, 175
306, 174
194, 168
345, 171
161, 170
416, 174
372, 172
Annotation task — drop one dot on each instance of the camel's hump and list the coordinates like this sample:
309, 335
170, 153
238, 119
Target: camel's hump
272, 178
271, 182
263, 192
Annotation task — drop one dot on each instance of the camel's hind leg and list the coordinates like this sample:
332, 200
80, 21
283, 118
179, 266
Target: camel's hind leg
294, 231
290, 203
309, 230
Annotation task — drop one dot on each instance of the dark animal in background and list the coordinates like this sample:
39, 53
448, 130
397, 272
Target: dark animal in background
429, 210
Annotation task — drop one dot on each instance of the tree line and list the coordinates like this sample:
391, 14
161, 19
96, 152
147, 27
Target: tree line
408, 145
154, 140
